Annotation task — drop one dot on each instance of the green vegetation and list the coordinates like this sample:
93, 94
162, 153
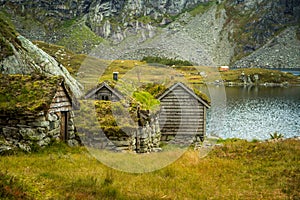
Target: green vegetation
245, 33
264, 75
80, 38
201, 8
202, 96
146, 100
150, 74
26, 94
145, 19
154, 89
67, 58
8, 35
121, 66
12, 188
166, 61
114, 117
236, 170
192, 74
276, 135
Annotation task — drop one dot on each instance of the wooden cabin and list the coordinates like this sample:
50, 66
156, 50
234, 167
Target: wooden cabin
104, 92
35, 110
182, 114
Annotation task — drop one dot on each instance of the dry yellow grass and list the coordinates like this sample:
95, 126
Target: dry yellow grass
236, 170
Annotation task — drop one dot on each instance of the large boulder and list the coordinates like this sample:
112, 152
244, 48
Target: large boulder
28, 59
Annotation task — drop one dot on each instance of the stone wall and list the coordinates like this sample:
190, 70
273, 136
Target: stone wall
29, 132
141, 140
148, 139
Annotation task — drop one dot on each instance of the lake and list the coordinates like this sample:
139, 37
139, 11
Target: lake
253, 112
295, 71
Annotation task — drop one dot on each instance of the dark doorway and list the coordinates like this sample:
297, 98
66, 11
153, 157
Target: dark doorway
64, 125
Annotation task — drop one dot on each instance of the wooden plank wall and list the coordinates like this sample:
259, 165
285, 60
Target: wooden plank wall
181, 114
106, 92
60, 102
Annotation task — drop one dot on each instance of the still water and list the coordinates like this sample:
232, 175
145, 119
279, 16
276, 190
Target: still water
254, 112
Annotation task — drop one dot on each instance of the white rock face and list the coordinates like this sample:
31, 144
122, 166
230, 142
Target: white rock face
200, 40
30, 59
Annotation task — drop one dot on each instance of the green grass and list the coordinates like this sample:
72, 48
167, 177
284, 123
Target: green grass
67, 58
265, 75
191, 73
94, 70
80, 38
146, 100
166, 61
8, 35
201, 8
236, 170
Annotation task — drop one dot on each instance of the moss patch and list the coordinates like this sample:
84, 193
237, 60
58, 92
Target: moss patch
22, 94
147, 101
8, 35
202, 96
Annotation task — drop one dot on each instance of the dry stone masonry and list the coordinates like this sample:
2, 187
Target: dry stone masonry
29, 132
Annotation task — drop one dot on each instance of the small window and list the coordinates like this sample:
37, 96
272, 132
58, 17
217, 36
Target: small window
105, 98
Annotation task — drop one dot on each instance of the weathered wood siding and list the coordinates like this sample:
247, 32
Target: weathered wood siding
104, 92
60, 102
181, 114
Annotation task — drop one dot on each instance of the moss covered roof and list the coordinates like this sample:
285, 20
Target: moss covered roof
23, 94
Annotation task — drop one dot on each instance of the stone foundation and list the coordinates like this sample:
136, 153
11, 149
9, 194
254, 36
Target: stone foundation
141, 140
28, 132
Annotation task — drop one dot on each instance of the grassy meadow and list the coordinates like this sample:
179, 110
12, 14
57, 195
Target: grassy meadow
90, 70
236, 169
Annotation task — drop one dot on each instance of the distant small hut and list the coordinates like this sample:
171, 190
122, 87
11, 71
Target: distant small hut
224, 68
183, 114
34, 111
104, 92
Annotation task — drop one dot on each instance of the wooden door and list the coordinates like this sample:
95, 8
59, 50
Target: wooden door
64, 125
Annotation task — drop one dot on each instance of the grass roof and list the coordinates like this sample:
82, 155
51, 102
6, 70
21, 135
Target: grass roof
23, 94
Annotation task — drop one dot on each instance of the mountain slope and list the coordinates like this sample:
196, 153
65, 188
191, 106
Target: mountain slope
214, 32
20, 56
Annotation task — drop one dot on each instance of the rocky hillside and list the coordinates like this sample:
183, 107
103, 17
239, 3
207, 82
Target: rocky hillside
19, 56
241, 33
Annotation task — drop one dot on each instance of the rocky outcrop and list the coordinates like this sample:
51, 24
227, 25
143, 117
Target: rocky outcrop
54, 13
280, 52
29, 59
200, 40
129, 15
213, 33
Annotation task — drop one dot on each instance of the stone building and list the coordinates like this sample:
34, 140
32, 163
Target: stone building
121, 126
35, 111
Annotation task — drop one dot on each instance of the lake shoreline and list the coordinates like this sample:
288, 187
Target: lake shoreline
233, 84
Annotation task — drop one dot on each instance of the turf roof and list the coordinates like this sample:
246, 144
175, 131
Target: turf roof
24, 94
